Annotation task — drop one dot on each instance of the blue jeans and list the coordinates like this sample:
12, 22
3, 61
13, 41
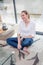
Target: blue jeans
24, 43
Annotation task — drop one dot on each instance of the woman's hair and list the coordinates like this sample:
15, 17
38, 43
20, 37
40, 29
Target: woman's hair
24, 11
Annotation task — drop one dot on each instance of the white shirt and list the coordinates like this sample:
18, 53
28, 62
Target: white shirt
24, 30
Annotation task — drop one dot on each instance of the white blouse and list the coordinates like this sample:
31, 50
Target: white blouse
24, 30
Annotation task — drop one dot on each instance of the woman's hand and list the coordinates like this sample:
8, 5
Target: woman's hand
21, 38
19, 46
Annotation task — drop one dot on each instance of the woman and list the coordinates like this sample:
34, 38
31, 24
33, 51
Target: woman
26, 32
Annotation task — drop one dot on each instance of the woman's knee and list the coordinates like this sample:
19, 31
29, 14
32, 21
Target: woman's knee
8, 40
11, 42
27, 42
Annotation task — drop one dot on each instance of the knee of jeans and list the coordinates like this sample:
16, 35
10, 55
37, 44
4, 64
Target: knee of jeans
30, 43
7, 40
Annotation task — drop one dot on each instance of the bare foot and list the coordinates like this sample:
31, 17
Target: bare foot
25, 49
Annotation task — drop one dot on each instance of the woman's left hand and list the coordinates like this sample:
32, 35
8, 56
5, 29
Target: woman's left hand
21, 38
19, 46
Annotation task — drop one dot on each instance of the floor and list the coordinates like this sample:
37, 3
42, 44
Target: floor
36, 53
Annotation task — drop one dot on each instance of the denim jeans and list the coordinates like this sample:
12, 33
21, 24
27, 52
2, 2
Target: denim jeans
24, 43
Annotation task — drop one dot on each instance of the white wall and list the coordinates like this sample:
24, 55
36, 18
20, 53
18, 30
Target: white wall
33, 6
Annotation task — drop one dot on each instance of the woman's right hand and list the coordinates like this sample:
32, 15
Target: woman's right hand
19, 46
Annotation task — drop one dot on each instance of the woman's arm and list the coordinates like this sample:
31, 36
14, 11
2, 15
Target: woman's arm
29, 36
19, 42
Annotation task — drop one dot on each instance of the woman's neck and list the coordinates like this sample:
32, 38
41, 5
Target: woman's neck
27, 21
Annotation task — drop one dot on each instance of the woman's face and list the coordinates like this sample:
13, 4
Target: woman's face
24, 16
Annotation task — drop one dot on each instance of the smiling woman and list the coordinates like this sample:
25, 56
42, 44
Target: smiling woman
25, 34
